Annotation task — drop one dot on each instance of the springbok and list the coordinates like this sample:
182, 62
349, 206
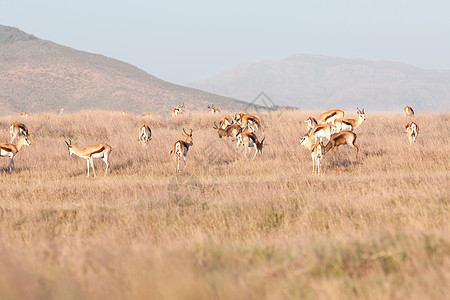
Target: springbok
247, 120
224, 122
237, 117
178, 110
90, 152
342, 138
311, 122
24, 114
145, 134
350, 124
316, 150
412, 129
408, 111
10, 150
146, 114
180, 148
17, 129
321, 131
249, 140
230, 131
330, 116
61, 110
213, 110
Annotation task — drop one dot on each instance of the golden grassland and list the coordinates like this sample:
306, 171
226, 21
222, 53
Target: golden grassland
375, 227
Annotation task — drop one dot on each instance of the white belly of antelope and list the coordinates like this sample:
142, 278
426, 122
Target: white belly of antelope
4, 153
98, 155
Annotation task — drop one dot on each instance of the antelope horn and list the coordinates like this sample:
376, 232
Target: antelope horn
184, 131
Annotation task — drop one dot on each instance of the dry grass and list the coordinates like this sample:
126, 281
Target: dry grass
376, 228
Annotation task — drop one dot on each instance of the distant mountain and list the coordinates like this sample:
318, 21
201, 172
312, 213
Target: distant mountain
321, 82
38, 75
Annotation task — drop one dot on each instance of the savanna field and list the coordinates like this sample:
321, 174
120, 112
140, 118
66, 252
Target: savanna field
376, 227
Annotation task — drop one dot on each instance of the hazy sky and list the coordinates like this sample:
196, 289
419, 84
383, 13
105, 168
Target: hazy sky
185, 41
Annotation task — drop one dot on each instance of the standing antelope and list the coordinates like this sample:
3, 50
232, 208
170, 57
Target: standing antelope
61, 110
181, 148
412, 129
350, 124
230, 131
213, 110
145, 134
249, 140
321, 131
342, 138
91, 152
330, 116
10, 150
316, 151
178, 110
224, 122
408, 111
237, 118
24, 114
311, 122
17, 129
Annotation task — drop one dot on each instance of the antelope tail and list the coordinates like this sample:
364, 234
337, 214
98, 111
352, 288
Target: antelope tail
319, 151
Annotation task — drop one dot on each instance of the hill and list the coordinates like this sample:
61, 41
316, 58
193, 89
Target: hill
38, 75
322, 82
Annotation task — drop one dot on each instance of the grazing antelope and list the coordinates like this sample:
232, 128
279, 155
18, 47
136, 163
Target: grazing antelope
10, 150
145, 134
350, 124
90, 152
17, 129
412, 129
342, 138
181, 148
249, 121
213, 110
316, 151
230, 131
311, 122
146, 114
224, 122
321, 131
178, 110
408, 111
330, 116
249, 140
24, 114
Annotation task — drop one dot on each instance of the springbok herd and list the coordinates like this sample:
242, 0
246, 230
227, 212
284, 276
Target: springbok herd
242, 127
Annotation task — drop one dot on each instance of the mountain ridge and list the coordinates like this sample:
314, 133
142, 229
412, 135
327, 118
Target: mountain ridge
312, 81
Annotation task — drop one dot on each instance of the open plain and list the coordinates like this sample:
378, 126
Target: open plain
375, 227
